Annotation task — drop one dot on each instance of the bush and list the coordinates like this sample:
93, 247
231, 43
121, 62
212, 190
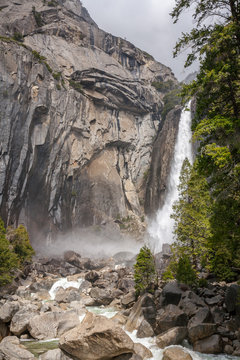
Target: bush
19, 240
145, 275
8, 259
18, 36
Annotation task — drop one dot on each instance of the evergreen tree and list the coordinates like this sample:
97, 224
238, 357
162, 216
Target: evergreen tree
191, 213
19, 240
8, 259
145, 275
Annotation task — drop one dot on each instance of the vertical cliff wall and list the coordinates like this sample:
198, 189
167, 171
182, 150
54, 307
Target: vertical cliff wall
78, 118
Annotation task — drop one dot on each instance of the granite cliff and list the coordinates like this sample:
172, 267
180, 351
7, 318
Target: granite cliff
79, 113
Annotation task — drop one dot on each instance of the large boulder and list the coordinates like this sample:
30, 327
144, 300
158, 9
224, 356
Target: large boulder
21, 319
67, 295
51, 325
144, 308
190, 303
128, 299
142, 351
231, 297
101, 296
171, 294
145, 330
3, 330
10, 349
200, 331
8, 309
175, 353
174, 336
168, 318
96, 338
203, 315
209, 345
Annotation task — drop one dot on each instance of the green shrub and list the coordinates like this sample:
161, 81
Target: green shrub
18, 37
57, 75
170, 100
21, 244
145, 275
8, 259
37, 17
76, 86
163, 86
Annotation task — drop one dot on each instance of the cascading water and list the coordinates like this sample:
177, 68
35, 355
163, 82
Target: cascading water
161, 228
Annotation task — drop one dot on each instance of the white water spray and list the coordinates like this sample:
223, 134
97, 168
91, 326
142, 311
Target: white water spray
161, 228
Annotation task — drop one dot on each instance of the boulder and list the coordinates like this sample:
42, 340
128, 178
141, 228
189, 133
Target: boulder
171, 294
51, 325
96, 338
3, 330
142, 351
168, 318
217, 315
203, 315
231, 296
200, 331
144, 308
11, 349
101, 296
127, 357
73, 258
21, 319
55, 354
175, 353
209, 345
174, 336
125, 284
129, 299
218, 299
145, 330
8, 309
190, 303
92, 276
67, 295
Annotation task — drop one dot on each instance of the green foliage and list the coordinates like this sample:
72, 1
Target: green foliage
18, 36
57, 75
145, 276
164, 86
76, 86
52, 3
147, 55
170, 100
216, 123
21, 244
185, 272
8, 259
37, 56
37, 17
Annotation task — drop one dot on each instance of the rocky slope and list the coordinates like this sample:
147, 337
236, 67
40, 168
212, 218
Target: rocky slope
78, 117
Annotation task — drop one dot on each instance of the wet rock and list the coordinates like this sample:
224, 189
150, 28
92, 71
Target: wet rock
51, 325
228, 349
171, 294
176, 353
142, 351
169, 317
96, 338
145, 330
10, 349
200, 331
209, 345
174, 336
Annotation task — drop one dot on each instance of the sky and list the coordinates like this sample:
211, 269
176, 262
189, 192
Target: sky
147, 24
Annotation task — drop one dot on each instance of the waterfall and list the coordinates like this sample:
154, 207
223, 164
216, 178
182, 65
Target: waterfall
161, 228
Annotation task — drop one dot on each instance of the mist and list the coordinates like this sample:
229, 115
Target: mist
95, 242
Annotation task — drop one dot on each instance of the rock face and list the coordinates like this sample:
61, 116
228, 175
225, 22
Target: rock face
78, 118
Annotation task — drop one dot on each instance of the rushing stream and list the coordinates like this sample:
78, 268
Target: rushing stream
161, 228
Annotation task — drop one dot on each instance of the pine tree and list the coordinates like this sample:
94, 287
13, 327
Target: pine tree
145, 275
191, 213
8, 259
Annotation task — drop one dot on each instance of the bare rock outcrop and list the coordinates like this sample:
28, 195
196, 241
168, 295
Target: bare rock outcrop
79, 115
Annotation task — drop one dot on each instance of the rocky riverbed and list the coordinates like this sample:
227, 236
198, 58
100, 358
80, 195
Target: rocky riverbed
81, 308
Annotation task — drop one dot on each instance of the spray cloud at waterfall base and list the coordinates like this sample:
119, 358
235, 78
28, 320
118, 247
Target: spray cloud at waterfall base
160, 228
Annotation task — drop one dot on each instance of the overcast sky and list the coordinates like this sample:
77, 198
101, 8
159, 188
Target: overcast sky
145, 23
